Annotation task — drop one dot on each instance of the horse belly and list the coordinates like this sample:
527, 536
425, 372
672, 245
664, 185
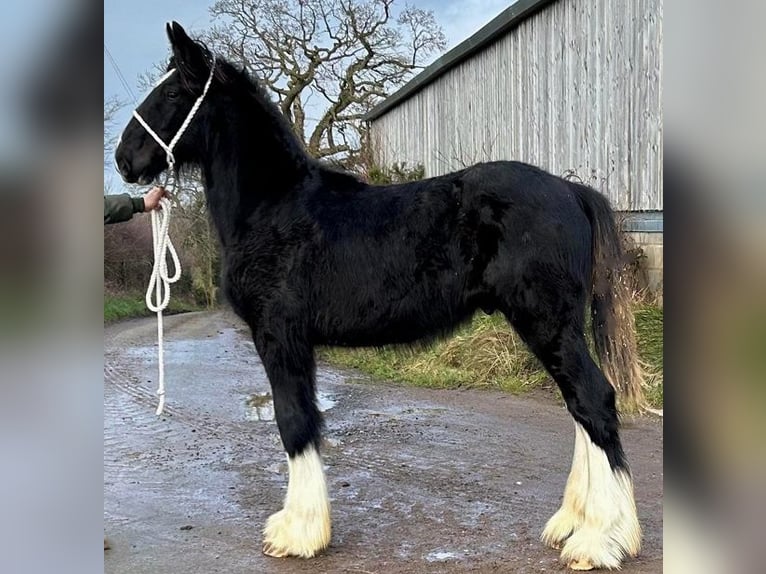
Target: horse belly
379, 314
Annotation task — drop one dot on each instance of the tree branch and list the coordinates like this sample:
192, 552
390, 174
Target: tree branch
351, 52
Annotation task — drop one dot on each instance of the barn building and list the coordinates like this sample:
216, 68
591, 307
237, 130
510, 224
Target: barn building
573, 86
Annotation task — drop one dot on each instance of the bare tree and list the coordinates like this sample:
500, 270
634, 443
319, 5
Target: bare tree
338, 57
194, 233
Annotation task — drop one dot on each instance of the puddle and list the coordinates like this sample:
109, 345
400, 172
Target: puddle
260, 406
278, 468
324, 402
442, 556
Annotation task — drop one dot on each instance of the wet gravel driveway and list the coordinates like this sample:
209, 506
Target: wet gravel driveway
420, 480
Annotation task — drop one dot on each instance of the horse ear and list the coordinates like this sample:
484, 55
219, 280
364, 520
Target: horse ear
187, 54
169, 32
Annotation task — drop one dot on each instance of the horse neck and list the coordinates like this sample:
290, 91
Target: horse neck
254, 158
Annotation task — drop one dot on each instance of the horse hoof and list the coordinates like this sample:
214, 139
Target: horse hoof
581, 564
273, 550
588, 549
290, 533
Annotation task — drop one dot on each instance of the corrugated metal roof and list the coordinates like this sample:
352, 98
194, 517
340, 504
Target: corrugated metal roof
506, 20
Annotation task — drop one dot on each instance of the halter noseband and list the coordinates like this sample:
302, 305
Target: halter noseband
170, 158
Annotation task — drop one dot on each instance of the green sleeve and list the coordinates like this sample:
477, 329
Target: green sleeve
121, 207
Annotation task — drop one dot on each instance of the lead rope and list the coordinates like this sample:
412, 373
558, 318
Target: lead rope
160, 281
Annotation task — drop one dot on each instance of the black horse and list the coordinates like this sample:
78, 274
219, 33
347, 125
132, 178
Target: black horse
313, 256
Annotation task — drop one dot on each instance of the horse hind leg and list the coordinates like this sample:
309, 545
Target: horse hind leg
596, 525
302, 527
600, 506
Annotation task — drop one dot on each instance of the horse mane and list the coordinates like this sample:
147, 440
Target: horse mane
251, 87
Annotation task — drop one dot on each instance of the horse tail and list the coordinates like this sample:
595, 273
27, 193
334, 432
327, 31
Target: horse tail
612, 318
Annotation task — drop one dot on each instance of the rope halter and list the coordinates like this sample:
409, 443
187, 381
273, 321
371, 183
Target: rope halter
158, 291
170, 158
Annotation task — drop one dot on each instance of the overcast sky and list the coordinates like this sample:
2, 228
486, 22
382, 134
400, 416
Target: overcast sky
134, 33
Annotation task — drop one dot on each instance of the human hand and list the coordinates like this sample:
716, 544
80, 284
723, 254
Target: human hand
153, 196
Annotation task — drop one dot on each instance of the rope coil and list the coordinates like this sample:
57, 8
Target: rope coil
158, 291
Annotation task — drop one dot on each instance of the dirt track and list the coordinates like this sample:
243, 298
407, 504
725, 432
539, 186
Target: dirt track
420, 480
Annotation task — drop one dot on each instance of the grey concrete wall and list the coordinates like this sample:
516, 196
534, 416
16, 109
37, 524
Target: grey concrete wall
651, 244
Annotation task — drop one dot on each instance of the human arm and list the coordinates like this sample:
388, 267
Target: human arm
121, 207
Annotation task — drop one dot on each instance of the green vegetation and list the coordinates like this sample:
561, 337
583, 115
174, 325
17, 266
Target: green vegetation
125, 306
649, 328
487, 353
397, 173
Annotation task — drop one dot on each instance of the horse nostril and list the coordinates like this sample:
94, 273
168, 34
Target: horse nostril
123, 166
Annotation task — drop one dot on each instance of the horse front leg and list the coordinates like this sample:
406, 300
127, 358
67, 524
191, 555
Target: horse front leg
302, 528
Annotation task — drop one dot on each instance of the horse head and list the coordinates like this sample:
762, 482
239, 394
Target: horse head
167, 111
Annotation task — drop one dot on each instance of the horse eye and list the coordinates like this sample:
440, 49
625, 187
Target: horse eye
172, 94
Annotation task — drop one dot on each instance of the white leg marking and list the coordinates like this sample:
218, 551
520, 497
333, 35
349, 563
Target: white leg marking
302, 528
570, 516
610, 529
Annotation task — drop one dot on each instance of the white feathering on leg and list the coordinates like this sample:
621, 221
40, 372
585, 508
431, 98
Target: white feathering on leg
610, 529
302, 528
570, 516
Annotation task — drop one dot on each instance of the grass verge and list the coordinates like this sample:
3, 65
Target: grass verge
649, 330
487, 353
130, 305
